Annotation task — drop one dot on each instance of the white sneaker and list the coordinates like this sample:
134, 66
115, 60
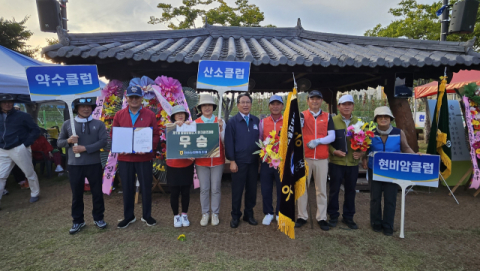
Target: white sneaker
177, 221
204, 221
5, 192
215, 220
185, 221
59, 168
267, 219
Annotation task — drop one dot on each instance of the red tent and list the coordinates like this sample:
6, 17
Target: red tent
459, 79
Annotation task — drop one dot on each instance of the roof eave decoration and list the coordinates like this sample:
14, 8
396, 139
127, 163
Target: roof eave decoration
263, 46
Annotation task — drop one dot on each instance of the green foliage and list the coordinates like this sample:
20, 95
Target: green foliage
14, 35
242, 14
419, 21
470, 91
52, 41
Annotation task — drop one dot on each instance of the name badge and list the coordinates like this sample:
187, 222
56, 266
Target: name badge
255, 127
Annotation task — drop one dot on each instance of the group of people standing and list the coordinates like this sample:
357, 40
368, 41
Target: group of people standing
238, 140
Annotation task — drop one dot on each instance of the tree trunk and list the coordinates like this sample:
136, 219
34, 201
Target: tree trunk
33, 109
227, 104
403, 114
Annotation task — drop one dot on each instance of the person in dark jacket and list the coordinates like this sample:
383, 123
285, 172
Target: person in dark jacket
241, 135
138, 163
91, 137
17, 134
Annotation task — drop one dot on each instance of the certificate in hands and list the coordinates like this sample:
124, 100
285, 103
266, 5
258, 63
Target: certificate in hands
132, 139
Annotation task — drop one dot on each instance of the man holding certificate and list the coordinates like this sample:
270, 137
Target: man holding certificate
137, 157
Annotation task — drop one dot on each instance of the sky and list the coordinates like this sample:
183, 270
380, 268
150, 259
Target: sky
352, 17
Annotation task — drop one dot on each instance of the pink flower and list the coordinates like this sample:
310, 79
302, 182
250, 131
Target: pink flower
275, 148
275, 163
476, 145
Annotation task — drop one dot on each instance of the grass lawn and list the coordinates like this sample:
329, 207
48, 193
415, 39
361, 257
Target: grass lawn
439, 235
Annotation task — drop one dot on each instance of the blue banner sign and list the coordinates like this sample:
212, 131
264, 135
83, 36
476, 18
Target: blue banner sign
227, 75
50, 82
423, 170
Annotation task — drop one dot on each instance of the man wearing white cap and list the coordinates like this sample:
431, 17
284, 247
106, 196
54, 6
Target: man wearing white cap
268, 174
343, 165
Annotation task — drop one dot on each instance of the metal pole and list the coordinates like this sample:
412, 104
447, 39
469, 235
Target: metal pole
63, 11
445, 22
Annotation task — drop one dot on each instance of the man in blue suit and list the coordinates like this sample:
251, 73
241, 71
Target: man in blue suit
241, 135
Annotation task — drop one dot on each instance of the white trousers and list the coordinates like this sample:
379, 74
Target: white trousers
318, 169
21, 156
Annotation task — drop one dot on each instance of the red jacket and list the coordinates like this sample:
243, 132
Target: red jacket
145, 119
41, 144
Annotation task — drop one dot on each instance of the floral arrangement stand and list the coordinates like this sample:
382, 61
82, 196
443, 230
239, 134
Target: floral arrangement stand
472, 115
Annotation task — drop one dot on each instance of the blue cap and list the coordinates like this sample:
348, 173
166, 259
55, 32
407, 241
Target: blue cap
315, 93
134, 91
275, 98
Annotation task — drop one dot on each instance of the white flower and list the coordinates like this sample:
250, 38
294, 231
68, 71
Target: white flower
358, 126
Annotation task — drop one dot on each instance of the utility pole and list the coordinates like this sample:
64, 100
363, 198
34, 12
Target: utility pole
445, 21
63, 11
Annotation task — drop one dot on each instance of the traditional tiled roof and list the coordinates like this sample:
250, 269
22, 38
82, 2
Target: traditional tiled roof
260, 45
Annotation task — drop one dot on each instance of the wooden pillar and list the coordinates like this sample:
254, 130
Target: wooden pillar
402, 113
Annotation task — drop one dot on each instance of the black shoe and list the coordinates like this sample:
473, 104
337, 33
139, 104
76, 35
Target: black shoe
387, 232
101, 224
333, 222
250, 220
77, 227
234, 223
350, 223
377, 228
324, 225
300, 222
124, 223
150, 221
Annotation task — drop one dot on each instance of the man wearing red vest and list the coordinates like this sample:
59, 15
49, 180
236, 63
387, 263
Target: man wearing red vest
269, 174
318, 131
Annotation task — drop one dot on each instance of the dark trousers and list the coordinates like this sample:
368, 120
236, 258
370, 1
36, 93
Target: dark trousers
244, 179
175, 191
77, 175
144, 173
269, 175
18, 174
349, 175
390, 191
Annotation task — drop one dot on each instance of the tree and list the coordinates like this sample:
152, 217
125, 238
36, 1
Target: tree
52, 41
14, 35
242, 14
419, 21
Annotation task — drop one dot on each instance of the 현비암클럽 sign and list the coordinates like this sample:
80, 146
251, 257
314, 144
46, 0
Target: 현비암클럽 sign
423, 170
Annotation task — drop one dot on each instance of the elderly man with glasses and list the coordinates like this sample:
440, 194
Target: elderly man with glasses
241, 135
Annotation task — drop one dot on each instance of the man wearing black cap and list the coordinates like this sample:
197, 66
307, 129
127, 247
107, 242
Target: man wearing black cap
17, 134
318, 131
91, 137
138, 163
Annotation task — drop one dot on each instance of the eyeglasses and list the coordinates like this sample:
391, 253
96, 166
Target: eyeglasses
245, 103
87, 100
383, 117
